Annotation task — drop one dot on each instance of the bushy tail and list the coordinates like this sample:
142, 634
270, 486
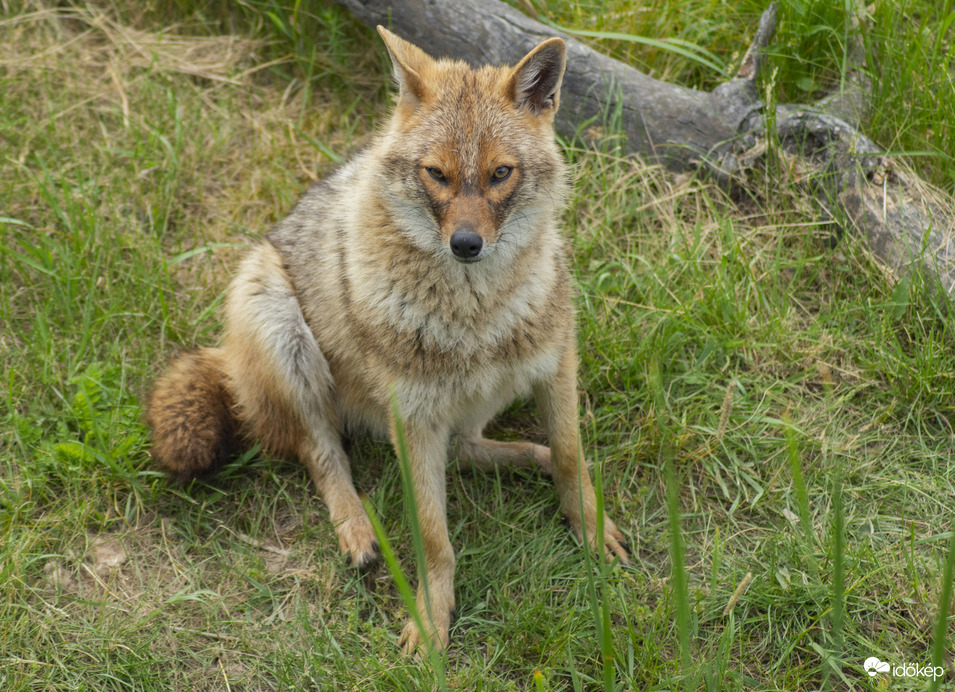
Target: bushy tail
190, 412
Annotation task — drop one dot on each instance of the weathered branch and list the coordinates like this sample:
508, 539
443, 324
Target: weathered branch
904, 221
753, 60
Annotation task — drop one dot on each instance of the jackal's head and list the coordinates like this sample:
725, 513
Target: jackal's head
470, 166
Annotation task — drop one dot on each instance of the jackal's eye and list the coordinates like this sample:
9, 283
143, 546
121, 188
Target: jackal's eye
501, 173
436, 173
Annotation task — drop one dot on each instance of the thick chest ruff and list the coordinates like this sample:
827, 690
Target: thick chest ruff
449, 339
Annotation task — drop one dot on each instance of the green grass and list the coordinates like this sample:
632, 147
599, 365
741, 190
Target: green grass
757, 399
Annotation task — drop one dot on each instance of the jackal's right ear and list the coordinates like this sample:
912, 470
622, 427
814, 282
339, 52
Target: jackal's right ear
410, 63
535, 82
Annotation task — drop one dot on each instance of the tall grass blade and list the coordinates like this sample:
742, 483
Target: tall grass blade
604, 631
940, 636
678, 577
597, 580
688, 50
837, 605
404, 589
417, 538
802, 494
410, 500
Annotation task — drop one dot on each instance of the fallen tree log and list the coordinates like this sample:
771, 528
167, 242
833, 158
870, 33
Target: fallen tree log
906, 224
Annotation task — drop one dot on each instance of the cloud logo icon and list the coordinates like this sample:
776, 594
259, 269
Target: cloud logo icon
874, 666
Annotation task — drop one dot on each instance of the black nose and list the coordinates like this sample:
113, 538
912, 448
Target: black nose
465, 243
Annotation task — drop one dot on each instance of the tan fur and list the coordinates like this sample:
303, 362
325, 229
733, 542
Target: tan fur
189, 410
360, 298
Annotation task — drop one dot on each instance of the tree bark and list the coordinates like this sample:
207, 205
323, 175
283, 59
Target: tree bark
906, 224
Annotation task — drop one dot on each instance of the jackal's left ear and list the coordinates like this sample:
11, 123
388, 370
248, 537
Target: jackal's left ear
535, 82
410, 64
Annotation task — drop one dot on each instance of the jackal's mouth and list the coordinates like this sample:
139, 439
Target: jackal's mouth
469, 260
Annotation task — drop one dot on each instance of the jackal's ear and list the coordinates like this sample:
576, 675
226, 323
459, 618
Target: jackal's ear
535, 82
410, 63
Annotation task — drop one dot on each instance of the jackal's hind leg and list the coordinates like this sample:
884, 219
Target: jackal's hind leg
472, 448
284, 391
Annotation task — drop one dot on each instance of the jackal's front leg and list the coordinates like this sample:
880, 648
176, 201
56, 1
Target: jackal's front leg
557, 403
426, 445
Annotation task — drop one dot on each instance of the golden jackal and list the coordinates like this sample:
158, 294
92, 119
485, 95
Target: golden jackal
428, 269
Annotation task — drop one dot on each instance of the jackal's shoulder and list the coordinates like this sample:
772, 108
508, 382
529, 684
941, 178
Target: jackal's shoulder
322, 208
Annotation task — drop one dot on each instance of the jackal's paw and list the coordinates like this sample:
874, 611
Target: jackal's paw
357, 541
615, 545
414, 643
